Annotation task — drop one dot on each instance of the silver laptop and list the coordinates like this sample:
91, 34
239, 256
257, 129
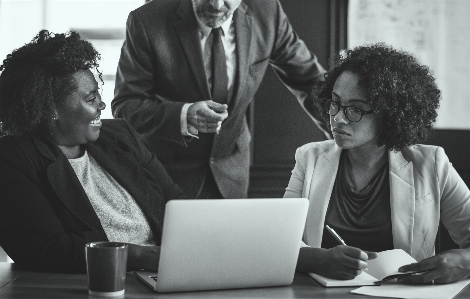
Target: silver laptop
228, 243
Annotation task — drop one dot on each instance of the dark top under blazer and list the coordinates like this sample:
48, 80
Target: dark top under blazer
161, 68
45, 215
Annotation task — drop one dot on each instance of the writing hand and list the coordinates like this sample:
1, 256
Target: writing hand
344, 262
207, 116
446, 267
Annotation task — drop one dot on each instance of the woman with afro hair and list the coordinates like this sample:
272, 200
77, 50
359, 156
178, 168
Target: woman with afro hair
374, 184
66, 176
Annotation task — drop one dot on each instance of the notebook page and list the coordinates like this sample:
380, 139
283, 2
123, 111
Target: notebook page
388, 262
360, 280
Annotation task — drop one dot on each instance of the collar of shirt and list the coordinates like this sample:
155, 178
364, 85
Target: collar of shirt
229, 42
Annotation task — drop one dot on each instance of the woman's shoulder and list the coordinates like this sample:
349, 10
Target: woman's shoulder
115, 127
14, 145
119, 130
315, 149
419, 152
113, 123
24, 152
317, 146
426, 156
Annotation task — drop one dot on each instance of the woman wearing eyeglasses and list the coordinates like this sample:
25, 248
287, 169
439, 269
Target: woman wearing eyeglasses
374, 184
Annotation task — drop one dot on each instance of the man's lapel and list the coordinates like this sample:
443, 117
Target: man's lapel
188, 33
402, 200
244, 37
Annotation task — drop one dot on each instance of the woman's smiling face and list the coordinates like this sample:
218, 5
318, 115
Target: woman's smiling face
78, 118
347, 134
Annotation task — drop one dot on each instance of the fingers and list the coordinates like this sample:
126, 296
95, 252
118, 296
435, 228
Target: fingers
355, 253
210, 115
446, 267
217, 107
344, 262
371, 255
421, 278
354, 258
192, 130
207, 116
219, 110
409, 267
426, 264
224, 114
211, 125
204, 127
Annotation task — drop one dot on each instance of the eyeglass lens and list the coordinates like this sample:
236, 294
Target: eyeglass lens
351, 113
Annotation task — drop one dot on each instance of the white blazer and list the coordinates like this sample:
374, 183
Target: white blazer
424, 187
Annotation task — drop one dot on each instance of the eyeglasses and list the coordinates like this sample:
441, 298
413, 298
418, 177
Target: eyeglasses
353, 114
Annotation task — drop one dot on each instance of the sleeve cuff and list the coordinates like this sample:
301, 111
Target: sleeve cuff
185, 127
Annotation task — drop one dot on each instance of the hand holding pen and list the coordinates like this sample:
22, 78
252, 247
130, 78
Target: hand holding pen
344, 262
372, 255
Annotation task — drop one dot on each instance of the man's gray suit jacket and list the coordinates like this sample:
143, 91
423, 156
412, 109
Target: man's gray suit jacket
161, 68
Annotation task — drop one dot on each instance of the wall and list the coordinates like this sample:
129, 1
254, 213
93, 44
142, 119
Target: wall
21, 20
280, 124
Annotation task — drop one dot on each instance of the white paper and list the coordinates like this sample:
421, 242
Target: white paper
360, 280
388, 262
394, 290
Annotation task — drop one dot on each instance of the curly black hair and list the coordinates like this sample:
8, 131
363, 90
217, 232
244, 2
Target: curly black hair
36, 78
402, 92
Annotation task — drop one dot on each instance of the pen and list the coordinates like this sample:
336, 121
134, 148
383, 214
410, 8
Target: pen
335, 235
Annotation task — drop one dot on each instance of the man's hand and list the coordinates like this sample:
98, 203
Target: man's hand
207, 116
447, 267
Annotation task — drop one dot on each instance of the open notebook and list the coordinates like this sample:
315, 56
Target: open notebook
384, 267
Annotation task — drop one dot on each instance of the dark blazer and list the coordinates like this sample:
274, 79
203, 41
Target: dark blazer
45, 215
161, 68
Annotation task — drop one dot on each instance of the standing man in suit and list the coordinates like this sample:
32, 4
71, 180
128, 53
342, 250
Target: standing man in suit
188, 71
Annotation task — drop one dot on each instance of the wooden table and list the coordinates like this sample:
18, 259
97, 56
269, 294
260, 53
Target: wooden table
8, 273
18, 284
